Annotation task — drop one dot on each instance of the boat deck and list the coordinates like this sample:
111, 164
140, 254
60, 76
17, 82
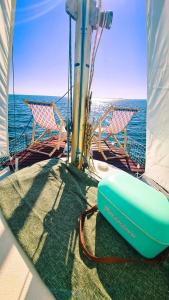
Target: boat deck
115, 155
27, 158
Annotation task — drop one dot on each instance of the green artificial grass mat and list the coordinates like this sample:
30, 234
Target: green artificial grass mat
42, 205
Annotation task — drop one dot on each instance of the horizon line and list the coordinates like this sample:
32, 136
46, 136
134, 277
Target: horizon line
94, 98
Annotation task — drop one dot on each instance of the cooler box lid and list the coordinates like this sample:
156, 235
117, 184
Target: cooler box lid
144, 206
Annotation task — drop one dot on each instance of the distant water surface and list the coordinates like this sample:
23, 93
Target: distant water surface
136, 129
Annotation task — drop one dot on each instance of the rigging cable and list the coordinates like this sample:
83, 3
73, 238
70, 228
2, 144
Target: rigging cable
13, 90
16, 139
24, 130
64, 94
95, 49
70, 64
68, 112
88, 134
69, 106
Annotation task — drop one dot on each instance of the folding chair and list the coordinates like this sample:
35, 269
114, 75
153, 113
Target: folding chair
117, 124
43, 115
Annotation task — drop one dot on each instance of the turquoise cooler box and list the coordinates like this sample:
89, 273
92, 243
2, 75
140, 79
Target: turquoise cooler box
137, 211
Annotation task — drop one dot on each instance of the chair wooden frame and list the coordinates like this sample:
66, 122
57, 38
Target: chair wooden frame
61, 134
97, 137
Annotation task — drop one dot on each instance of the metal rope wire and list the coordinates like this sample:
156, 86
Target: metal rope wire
13, 90
64, 94
68, 130
69, 106
96, 46
68, 103
23, 132
94, 53
70, 64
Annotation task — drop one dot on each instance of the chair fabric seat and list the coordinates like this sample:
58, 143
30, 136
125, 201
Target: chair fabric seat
117, 123
44, 116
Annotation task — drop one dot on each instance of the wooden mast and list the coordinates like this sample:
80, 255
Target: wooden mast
87, 16
81, 76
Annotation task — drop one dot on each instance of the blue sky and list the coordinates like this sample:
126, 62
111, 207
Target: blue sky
41, 50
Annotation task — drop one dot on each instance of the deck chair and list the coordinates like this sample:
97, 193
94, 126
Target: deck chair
118, 123
43, 115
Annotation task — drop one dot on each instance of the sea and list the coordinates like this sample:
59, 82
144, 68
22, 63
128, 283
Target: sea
20, 122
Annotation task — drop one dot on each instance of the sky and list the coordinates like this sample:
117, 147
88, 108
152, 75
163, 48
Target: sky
41, 50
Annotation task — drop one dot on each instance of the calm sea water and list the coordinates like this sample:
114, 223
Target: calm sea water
136, 129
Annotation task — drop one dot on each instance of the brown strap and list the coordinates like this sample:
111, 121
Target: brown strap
106, 259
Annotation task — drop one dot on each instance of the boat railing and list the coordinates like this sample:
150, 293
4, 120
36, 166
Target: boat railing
136, 151
15, 147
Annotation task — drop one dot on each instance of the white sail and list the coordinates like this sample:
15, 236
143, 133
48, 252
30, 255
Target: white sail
157, 151
7, 12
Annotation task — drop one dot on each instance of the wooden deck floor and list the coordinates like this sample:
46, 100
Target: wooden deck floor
115, 156
28, 158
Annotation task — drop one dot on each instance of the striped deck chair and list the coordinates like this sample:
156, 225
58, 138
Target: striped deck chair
43, 115
117, 123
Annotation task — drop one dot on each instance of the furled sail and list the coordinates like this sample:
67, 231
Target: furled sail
157, 152
7, 12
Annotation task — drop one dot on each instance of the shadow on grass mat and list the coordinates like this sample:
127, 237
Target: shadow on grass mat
42, 205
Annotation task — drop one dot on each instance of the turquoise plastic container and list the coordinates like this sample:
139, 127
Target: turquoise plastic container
137, 211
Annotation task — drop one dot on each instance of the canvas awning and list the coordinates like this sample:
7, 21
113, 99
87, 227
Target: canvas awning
7, 12
157, 151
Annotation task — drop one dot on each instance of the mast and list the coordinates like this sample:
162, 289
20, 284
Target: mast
81, 76
7, 13
87, 17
